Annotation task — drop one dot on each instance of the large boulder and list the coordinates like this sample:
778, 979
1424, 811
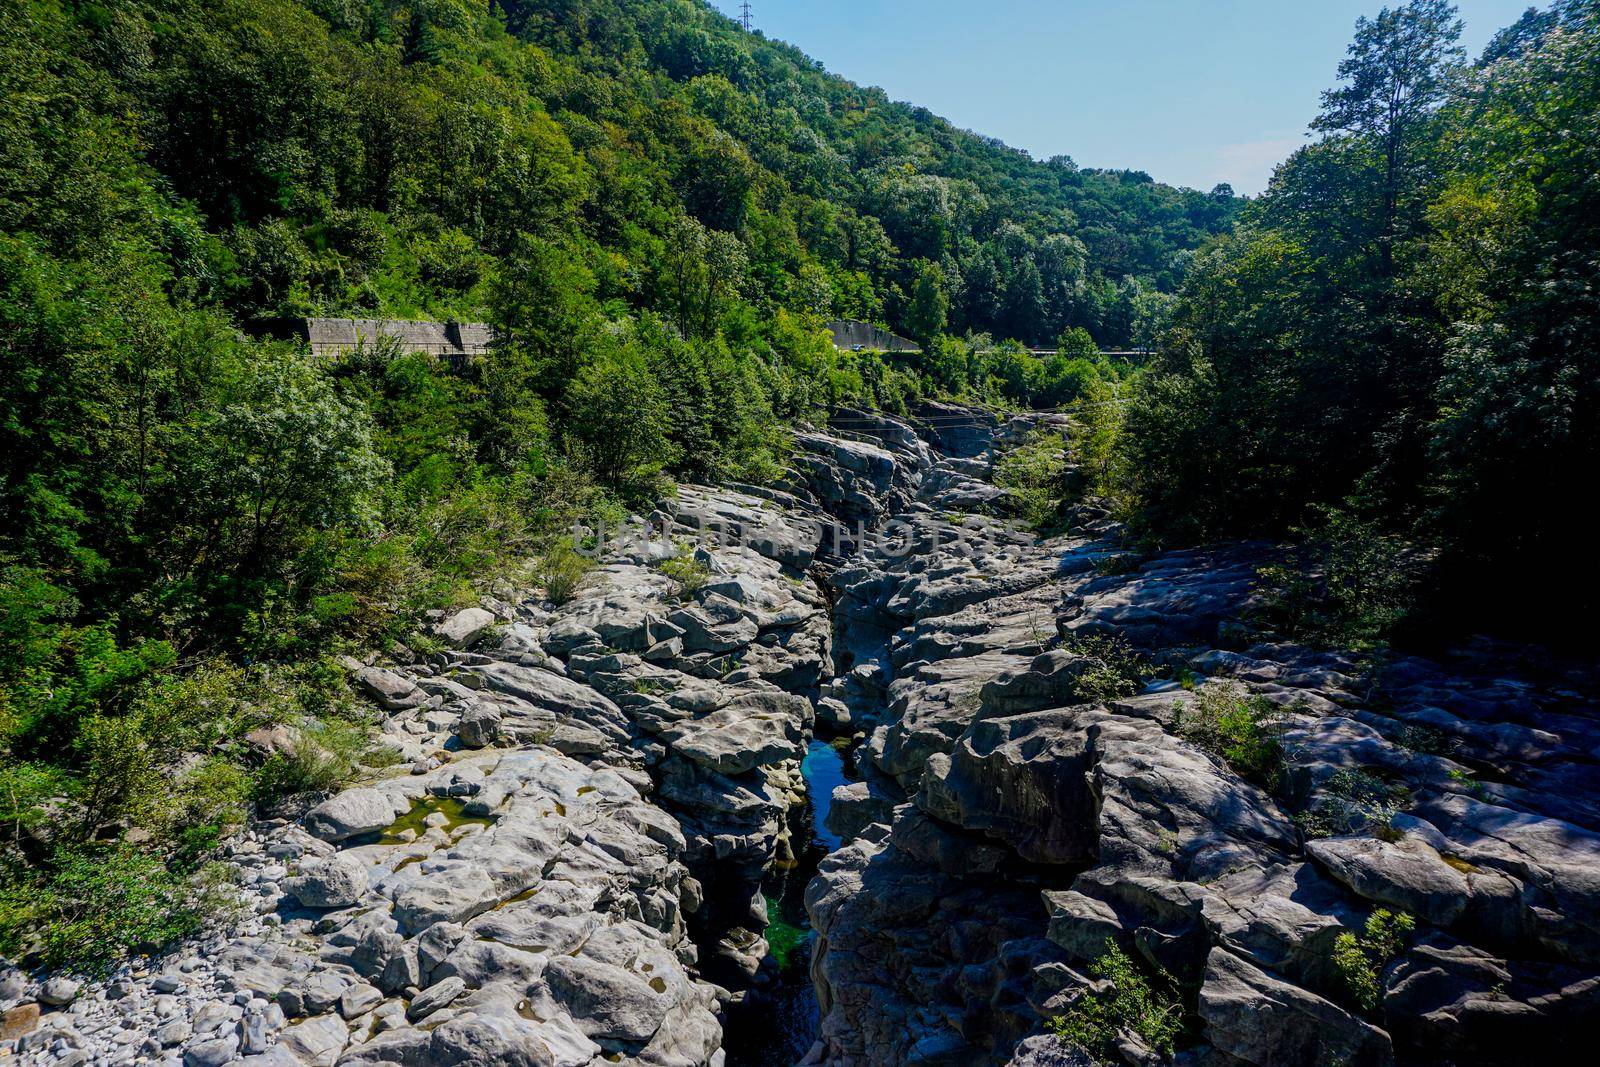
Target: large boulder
391, 690
753, 731
350, 814
607, 1002
1263, 1020
336, 882
466, 627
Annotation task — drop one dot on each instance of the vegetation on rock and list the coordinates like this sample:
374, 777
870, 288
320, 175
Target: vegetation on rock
1133, 1003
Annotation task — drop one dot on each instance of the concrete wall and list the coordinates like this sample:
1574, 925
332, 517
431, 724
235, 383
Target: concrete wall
849, 334
332, 336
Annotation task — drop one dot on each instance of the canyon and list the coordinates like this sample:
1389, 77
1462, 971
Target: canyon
606, 811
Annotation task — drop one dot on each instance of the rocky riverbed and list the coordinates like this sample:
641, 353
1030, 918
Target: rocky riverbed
573, 860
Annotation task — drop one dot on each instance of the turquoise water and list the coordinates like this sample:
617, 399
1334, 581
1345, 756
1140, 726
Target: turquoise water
823, 768
777, 1026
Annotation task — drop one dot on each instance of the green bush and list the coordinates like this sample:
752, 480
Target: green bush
1117, 669
1033, 475
1359, 961
1227, 721
1351, 801
1148, 1009
98, 904
689, 573
325, 756
1353, 587
561, 568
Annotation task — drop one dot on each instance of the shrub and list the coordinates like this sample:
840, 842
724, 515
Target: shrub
25, 792
1351, 801
561, 568
690, 574
205, 805
1034, 475
1133, 1003
99, 904
325, 756
1359, 961
1227, 721
1098, 444
1353, 586
1117, 669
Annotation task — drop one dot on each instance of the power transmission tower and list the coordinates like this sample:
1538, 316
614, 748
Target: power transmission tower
744, 15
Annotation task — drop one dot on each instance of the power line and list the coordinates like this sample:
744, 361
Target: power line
744, 15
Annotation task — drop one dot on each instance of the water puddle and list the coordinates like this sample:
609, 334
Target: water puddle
778, 1024
415, 820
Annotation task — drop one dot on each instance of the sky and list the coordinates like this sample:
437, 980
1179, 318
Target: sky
1194, 92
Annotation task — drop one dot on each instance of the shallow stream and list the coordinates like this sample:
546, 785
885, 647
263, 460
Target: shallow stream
778, 1023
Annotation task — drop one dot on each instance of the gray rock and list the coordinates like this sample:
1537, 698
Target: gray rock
58, 990
350, 814
466, 627
607, 1002
479, 725
316, 1042
1407, 874
359, 999
1265, 1021
213, 1053
435, 997
390, 690
336, 882
753, 731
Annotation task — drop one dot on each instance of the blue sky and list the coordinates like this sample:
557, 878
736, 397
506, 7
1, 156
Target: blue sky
1195, 92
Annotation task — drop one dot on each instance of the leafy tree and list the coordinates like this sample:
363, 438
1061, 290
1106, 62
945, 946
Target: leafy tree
617, 409
1396, 75
928, 312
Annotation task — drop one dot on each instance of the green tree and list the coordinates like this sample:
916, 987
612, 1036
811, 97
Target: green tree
1396, 75
929, 309
617, 409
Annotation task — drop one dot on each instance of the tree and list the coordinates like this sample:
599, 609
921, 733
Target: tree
929, 308
1397, 73
617, 410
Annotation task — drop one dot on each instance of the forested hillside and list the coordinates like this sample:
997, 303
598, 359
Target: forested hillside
656, 209
1397, 352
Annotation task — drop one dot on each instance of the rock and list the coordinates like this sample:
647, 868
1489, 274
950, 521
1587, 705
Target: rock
466, 627
1265, 1021
350, 814
253, 1034
213, 1053
316, 1042
479, 724
435, 997
321, 992
506, 1042
337, 882
268, 741
834, 715
1050, 681
1407, 875
854, 807
392, 691
18, 1020
167, 983
58, 991
1047, 1050
359, 999
173, 1033
607, 1002
752, 731
1082, 925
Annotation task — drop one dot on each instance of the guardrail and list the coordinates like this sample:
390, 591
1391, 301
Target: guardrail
432, 348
